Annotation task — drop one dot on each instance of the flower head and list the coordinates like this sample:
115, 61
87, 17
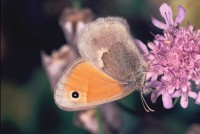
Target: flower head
57, 62
174, 60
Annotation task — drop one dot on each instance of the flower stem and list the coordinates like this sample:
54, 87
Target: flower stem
99, 120
176, 100
77, 4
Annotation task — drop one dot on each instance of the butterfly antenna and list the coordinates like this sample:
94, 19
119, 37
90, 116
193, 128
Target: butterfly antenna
145, 105
152, 34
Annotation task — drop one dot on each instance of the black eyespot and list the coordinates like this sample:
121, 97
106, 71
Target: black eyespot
75, 94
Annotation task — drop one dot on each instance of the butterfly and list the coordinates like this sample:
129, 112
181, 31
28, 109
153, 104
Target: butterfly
111, 67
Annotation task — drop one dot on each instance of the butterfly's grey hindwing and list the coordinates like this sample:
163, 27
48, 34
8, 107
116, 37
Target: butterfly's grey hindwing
124, 65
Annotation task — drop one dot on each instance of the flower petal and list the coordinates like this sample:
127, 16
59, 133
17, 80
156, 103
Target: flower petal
154, 77
141, 46
184, 89
167, 101
198, 99
181, 15
184, 100
79, 27
176, 94
153, 84
45, 58
166, 13
68, 27
149, 75
151, 46
154, 96
158, 23
151, 57
171, 90
192, 94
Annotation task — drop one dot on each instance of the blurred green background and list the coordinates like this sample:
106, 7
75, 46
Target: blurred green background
30, 26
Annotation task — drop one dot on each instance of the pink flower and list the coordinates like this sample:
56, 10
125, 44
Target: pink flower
174, 60
166, 13
198, 99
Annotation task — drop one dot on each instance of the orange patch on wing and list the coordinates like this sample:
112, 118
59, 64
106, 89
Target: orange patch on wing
84, 77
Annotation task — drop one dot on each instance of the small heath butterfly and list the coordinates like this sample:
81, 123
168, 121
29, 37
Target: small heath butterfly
110, 67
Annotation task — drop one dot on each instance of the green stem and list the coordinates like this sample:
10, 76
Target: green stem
99, 120
77, 4
176, 100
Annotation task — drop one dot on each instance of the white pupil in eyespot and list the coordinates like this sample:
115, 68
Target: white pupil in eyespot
75, 94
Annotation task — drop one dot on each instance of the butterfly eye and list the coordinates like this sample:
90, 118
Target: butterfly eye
75, 94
